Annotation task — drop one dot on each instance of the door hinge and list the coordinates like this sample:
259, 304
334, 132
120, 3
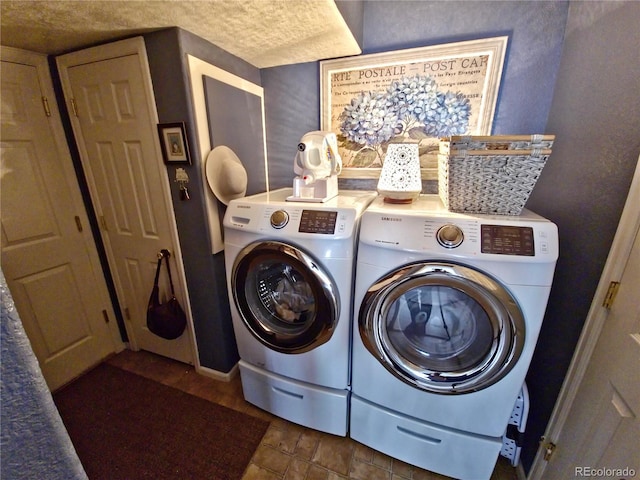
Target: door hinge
611, 294
105, 316
78, 223
127, 314
74, 107
103, 223
549, 449
45, 104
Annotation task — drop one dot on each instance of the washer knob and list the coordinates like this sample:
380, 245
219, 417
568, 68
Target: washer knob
450, 236
279, 219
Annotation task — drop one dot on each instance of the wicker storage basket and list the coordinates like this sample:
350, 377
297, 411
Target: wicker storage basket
488, 181
496, 142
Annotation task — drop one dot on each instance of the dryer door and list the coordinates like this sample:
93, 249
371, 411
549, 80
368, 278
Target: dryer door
442, 327
285, 298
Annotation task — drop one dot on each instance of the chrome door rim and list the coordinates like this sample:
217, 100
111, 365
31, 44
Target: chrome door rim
320, 330
503, 312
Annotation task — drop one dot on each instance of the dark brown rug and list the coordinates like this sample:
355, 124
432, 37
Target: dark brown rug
124, 426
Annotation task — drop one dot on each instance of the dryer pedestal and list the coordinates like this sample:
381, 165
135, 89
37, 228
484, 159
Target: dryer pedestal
423, 444
306, 404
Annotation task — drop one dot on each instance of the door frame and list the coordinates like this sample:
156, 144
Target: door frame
597, 316
134, 46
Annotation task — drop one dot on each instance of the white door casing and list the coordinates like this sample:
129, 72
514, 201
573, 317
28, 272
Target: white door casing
594, 429
110, 96
49, 257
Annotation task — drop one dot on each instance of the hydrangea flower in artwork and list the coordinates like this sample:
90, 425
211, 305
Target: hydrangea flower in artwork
412, 98
373, 118
449, 117
410, 107
369, 119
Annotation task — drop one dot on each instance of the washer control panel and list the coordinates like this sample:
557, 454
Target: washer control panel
425, 229
308, 221
318, 221
272, 215
279, 219
292, 221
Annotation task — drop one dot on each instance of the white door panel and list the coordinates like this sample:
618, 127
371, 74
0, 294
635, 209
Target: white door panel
48, 256
115, 128
603, 429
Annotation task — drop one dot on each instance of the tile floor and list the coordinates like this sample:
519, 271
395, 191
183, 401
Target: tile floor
287, 451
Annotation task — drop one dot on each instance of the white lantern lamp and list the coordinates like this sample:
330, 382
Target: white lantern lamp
400, 180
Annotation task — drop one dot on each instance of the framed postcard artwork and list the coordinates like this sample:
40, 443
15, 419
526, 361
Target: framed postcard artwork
420, 94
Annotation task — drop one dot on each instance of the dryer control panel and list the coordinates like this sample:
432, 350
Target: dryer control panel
425, 227
459, 236
507, 240
450, 236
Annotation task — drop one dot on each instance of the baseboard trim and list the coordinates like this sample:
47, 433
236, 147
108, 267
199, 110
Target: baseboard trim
215, 374
520, 472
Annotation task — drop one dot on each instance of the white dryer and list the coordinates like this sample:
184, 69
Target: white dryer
448, 308
290, 270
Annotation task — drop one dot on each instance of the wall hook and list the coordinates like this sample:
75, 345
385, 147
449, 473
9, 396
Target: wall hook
182, 179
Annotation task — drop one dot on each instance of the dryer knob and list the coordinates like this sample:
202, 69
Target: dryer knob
279, 219
450, 236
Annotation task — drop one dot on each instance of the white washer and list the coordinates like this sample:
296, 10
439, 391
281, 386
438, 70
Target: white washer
448, 308
290, 269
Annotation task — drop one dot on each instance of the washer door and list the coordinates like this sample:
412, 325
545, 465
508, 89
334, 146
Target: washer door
442, 327
285, 298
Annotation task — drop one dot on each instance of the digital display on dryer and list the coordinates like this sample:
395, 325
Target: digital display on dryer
318, 221
507, 240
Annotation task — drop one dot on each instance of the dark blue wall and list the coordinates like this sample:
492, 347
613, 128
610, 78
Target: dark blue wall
205, 272
594, 112
535, 31
353, 13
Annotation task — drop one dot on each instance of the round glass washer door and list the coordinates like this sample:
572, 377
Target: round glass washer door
285, 299
442, 327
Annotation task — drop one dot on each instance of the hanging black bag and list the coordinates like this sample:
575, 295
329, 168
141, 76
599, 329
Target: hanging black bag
167, 320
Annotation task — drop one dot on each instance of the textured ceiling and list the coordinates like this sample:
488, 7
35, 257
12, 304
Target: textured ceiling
265, 33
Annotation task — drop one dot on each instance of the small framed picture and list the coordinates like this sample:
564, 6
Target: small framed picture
173, 139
